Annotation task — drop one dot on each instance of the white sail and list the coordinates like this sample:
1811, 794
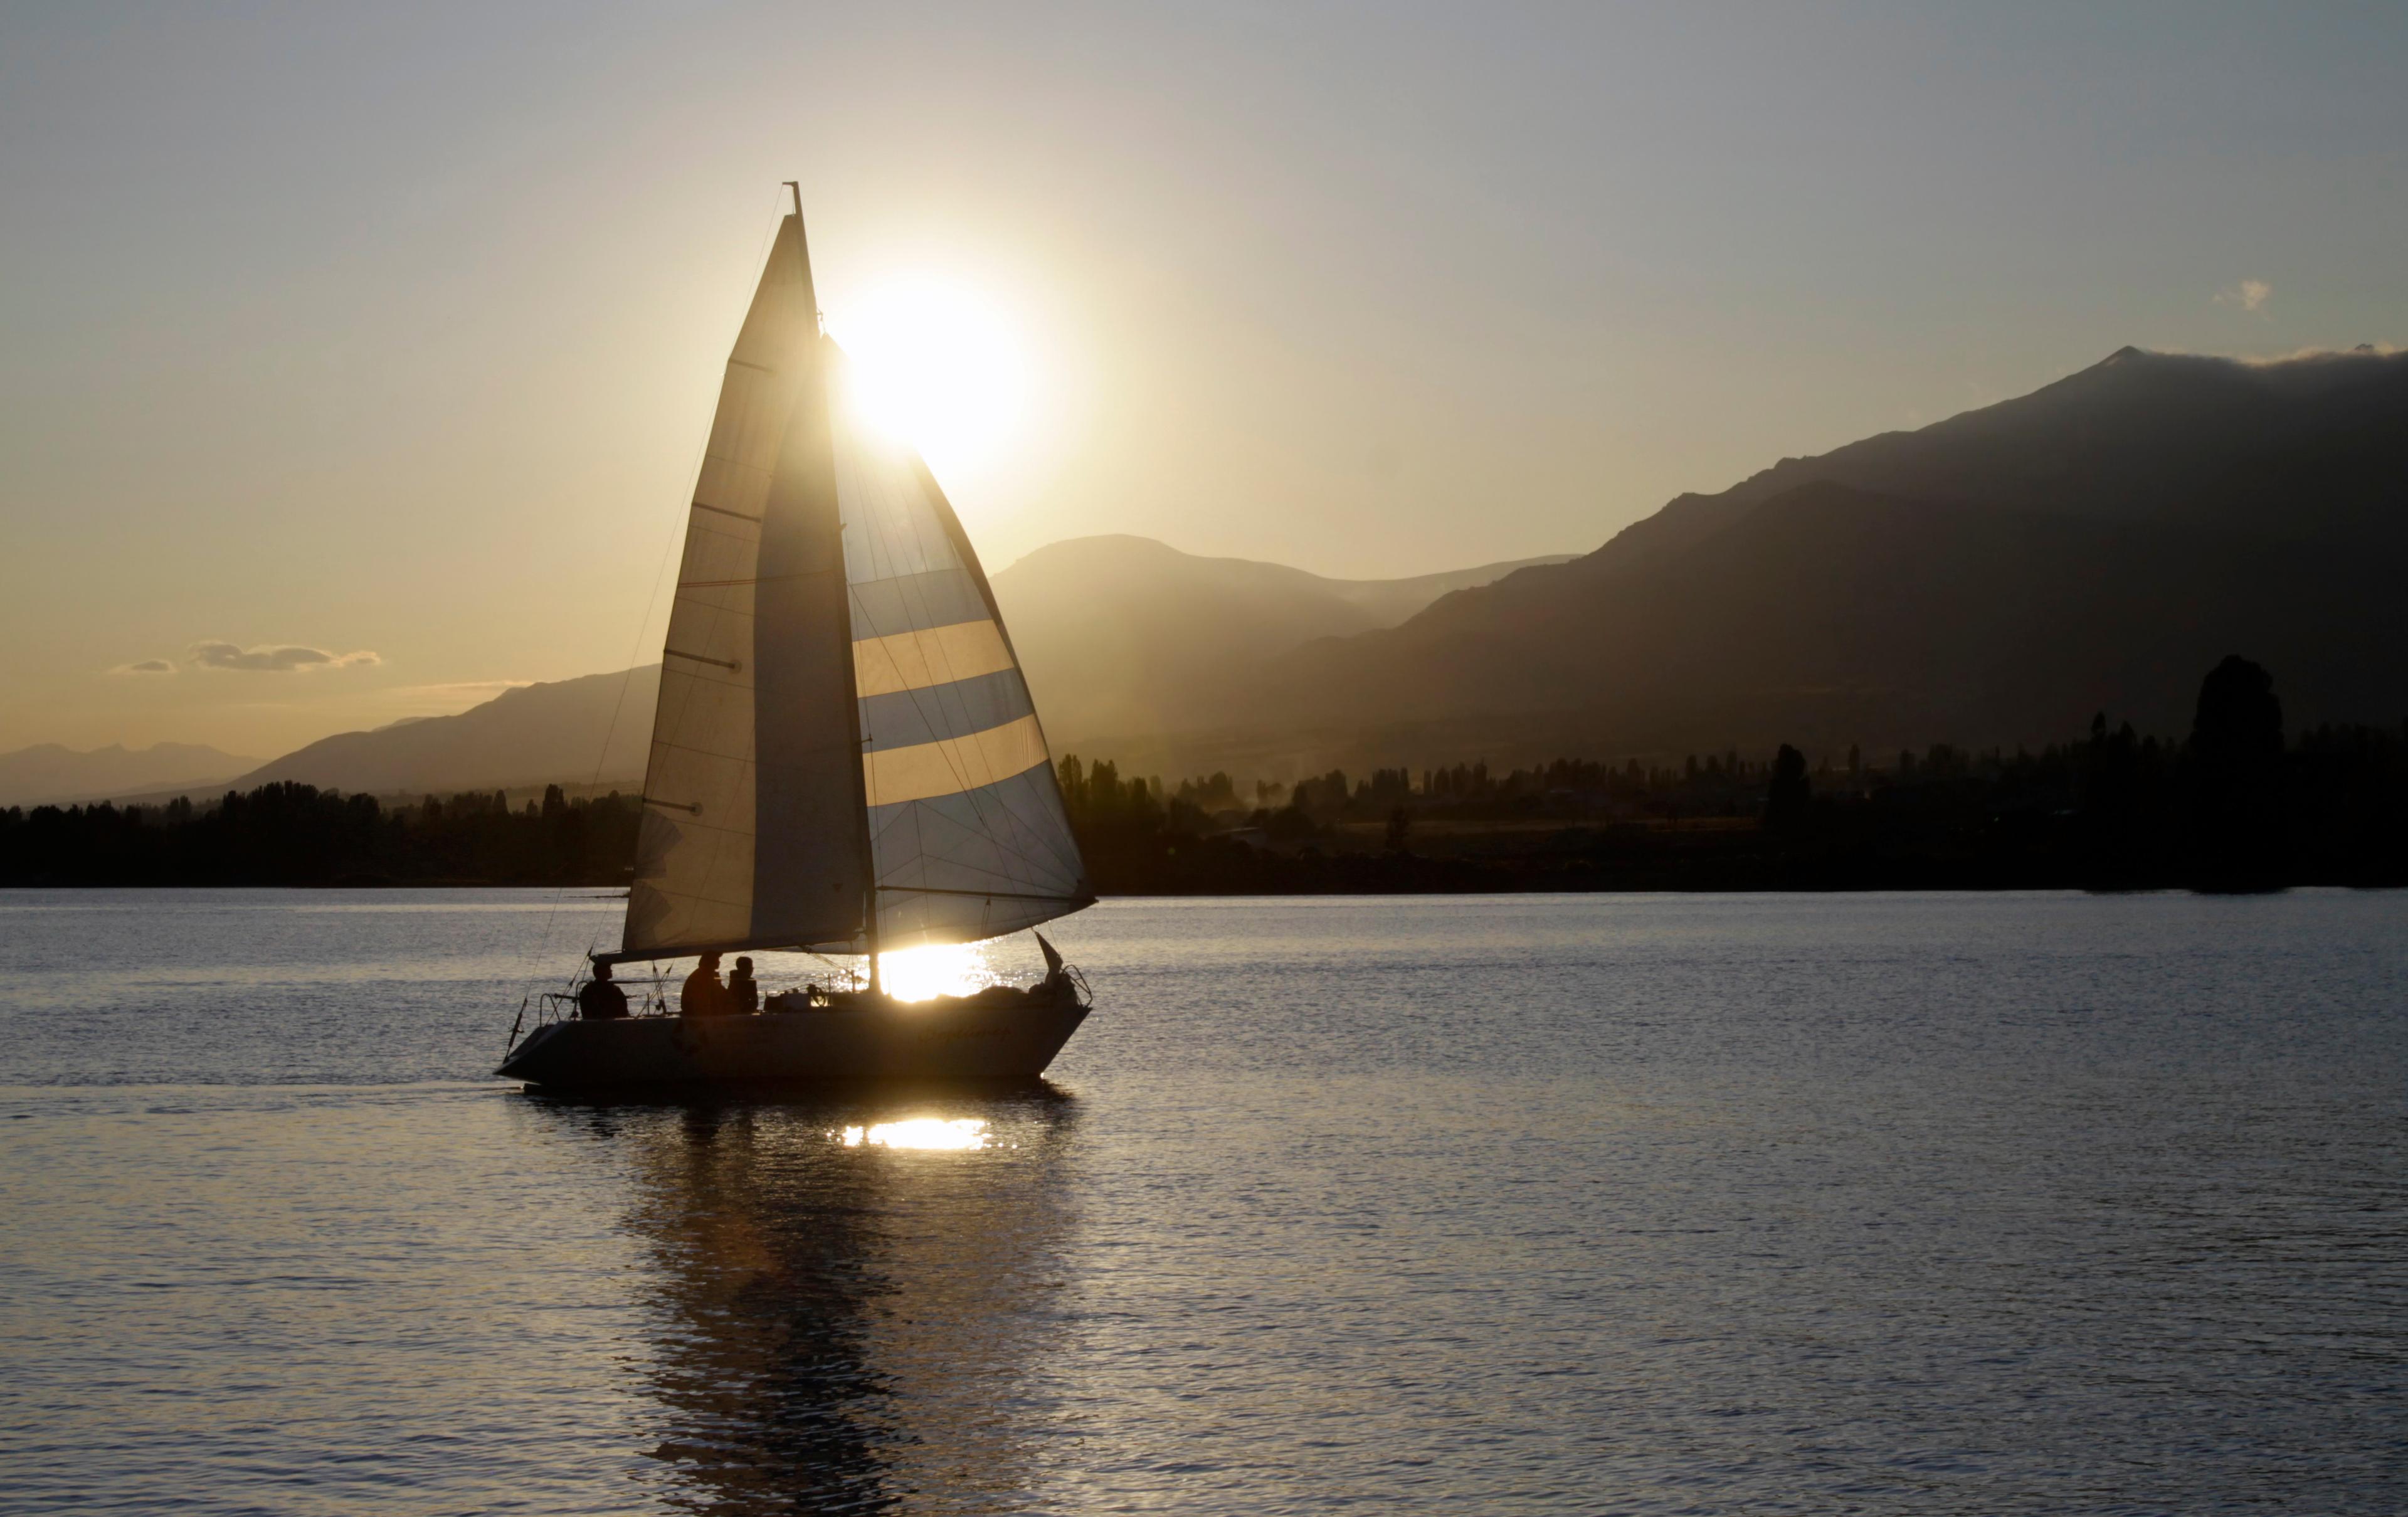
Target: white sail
967, 826
751, 830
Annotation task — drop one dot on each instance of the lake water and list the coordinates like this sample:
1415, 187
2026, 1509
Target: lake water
1664, 1204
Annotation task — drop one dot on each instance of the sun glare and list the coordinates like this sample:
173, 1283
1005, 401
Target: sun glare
937, 364
932, 969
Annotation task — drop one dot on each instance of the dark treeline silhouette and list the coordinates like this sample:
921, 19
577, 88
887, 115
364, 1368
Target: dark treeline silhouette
298, 835
2229, 806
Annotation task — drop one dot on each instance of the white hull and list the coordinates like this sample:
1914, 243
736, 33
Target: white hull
940, 1042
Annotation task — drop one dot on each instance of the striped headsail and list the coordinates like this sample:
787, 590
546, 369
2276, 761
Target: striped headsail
843, 729
968, 834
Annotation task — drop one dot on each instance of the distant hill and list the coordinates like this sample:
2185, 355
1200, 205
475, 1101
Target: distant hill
532, 736
1123, 635
48, 773
1993, 578
1111, 629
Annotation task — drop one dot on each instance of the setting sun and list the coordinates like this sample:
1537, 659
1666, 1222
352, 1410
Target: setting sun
940, 365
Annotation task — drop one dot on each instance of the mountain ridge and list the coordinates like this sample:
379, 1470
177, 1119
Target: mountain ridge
2132, 396
561, 731
54, 774
1118, 632
2252, 506
1994, 578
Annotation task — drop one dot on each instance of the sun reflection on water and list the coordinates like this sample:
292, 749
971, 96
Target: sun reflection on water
920, 1133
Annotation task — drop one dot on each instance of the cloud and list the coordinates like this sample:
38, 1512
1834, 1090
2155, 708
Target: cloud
460, 689
275, 658
2325, 355
149, 665
2249, 294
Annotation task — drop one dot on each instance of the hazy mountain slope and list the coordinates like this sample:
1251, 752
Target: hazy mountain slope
1122, 634
1120, 625
1391, 601
1834, 616
534, 735
47, 772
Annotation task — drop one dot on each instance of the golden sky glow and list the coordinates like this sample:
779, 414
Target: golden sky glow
398, 331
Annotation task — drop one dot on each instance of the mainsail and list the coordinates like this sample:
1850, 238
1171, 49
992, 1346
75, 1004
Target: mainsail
845, 755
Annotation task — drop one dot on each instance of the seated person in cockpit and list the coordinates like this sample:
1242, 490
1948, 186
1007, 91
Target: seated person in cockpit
601, 999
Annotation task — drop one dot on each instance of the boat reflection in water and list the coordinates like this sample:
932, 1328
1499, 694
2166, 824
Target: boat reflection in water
851, 1300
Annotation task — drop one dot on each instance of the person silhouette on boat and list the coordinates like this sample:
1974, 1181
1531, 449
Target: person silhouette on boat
704, 995
601, 1000
743, 992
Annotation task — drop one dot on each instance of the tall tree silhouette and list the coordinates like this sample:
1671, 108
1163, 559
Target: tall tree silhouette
2236, 750
1786, 798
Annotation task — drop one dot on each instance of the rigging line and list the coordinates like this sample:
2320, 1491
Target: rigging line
618, 704
756, 580
1049, 825
1073, 866
976, 895
1033, 826
1046, 867
1044, 835
997, 843
1053, 837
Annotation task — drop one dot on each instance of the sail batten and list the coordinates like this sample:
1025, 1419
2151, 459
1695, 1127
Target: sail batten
845, 752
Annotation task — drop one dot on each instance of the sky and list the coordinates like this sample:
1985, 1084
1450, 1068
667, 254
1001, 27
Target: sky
355, 361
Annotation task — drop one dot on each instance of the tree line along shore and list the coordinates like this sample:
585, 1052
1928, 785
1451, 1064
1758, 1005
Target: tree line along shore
2230, 806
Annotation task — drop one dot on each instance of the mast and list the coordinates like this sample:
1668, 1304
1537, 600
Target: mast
851, 685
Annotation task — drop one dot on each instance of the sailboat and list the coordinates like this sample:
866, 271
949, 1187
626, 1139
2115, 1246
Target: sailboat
845, 758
